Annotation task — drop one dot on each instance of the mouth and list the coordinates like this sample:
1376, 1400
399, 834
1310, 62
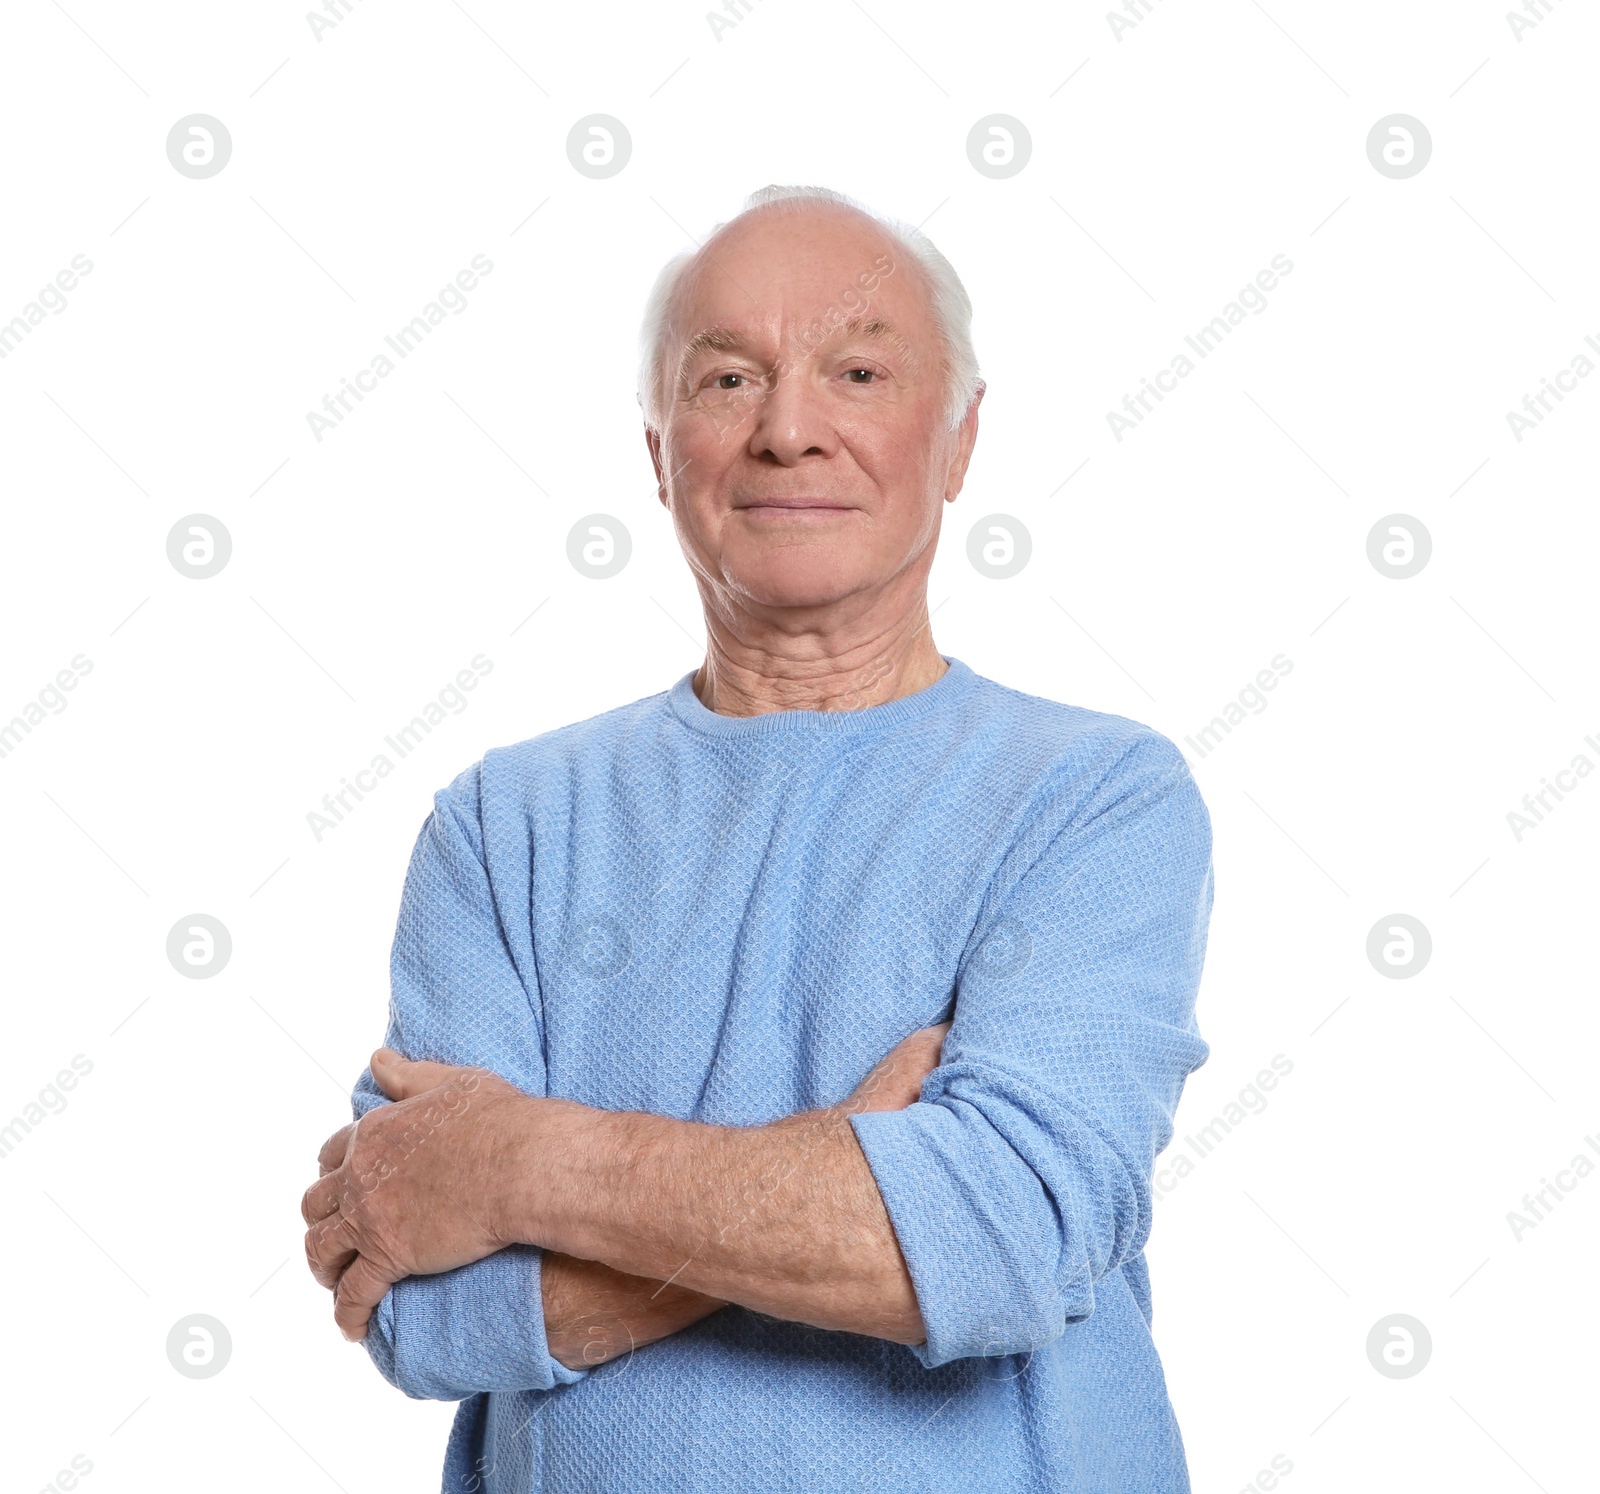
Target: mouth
792, 508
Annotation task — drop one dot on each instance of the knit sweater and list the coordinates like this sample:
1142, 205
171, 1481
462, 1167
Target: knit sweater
730, 920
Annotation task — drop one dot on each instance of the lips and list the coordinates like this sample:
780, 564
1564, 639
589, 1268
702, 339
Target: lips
800, 503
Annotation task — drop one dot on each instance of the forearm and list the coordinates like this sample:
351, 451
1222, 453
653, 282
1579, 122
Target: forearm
785, 1219
647, 1224
593, 1313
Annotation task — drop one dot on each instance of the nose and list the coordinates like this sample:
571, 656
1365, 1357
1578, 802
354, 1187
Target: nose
792, 420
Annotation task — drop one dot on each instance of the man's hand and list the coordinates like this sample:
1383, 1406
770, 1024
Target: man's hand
896, 1078
421, 1186
593, 1314
412, 1188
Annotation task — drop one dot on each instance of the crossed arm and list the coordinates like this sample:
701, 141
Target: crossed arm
1005, 1187
648, 1224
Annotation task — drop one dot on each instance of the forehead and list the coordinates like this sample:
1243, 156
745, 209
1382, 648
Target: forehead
777, 267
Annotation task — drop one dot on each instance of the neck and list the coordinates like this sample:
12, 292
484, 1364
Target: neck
812, 672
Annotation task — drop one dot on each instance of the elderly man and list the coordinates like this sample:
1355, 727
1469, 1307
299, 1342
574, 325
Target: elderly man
776, 1065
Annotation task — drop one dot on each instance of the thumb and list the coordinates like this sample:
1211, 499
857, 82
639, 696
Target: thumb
400, 1077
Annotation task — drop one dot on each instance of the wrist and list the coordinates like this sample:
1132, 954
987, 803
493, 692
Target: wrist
546, 1155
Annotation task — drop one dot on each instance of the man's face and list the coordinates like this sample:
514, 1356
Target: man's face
803, 451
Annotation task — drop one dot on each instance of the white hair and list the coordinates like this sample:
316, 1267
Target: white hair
952, 309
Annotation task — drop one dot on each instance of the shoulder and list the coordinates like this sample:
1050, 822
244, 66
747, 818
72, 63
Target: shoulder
1077, 765
516, 773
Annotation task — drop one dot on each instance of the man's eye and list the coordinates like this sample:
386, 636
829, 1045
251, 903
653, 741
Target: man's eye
868, 374
721, 380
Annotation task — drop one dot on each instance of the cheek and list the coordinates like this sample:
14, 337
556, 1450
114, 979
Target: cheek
705, 441
910, 492
697, 467
700, 464
898, 447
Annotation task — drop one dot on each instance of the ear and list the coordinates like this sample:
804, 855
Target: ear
652, 439
966, 439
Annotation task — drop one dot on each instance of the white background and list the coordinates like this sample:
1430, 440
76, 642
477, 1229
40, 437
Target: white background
1168, 167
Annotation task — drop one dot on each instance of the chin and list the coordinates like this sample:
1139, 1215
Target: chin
791, 577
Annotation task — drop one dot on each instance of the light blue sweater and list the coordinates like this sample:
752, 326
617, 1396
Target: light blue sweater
730, 919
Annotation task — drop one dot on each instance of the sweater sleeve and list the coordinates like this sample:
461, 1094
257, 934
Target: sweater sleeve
1022, 1175
462, 993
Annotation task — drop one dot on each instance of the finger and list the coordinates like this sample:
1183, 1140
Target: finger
333, 1151
330, 1248
321, 1199
360, 1290
402, 1078
896, 1079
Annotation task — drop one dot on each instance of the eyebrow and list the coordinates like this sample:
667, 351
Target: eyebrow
726, 340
